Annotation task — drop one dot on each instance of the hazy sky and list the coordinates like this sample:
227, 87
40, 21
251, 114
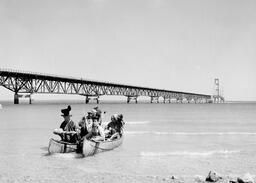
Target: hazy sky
169, 44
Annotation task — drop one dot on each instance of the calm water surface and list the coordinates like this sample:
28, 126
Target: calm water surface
160, 139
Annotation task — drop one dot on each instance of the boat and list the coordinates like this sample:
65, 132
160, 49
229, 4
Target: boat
93, 147
58, 146
90, 147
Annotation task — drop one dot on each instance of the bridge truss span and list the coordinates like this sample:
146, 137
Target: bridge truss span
26, 82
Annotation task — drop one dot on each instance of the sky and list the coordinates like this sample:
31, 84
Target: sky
177, 45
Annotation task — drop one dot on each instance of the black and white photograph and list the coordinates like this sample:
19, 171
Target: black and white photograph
127, 91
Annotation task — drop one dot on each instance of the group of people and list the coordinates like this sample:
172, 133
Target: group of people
89, 127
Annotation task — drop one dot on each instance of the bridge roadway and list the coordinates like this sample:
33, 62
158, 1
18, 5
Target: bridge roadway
24, 84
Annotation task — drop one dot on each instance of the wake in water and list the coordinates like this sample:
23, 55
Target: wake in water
188, 133
137, 122
188, 153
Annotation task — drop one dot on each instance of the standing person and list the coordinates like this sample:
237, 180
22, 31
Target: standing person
68, 126
83, 128
89, 121
82, 135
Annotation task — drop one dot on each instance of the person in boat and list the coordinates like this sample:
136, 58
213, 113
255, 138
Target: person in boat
97, 132
114, 129
97, 114
88, 121
83, 128
68, 127
84, 134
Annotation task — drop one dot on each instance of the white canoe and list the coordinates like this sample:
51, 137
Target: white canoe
89, 147
92, 147
57, 146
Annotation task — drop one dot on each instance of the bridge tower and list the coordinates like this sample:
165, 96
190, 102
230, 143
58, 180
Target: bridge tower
217, 98
217, 90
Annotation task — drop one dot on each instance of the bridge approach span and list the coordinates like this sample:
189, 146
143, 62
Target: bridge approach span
29, 83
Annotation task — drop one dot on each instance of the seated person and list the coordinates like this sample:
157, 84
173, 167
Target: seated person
114, 129
97, 114
68, 129
97, 132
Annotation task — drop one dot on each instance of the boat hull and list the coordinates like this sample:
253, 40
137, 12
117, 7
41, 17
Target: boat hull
57, 146
91, 147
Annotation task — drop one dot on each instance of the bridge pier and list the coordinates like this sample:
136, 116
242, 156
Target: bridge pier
129, 98
218, 99
30, 99
154, 98
179, 100
88, 98
167, 100
16, 98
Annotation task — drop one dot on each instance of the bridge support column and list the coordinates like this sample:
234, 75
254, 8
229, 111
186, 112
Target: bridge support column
179, 100
129, 98
88, 98
154, 98
16, 98
166, 100
30, 99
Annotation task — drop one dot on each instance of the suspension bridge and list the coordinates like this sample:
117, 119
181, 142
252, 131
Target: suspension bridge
24, 84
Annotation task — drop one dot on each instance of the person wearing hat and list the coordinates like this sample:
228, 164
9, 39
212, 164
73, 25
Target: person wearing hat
114, 129
68, 126
98, 114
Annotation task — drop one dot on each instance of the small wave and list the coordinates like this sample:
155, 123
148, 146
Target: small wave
188, 153
137, 122
190, 133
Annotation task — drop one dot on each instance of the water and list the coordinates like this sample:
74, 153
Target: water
161, 140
